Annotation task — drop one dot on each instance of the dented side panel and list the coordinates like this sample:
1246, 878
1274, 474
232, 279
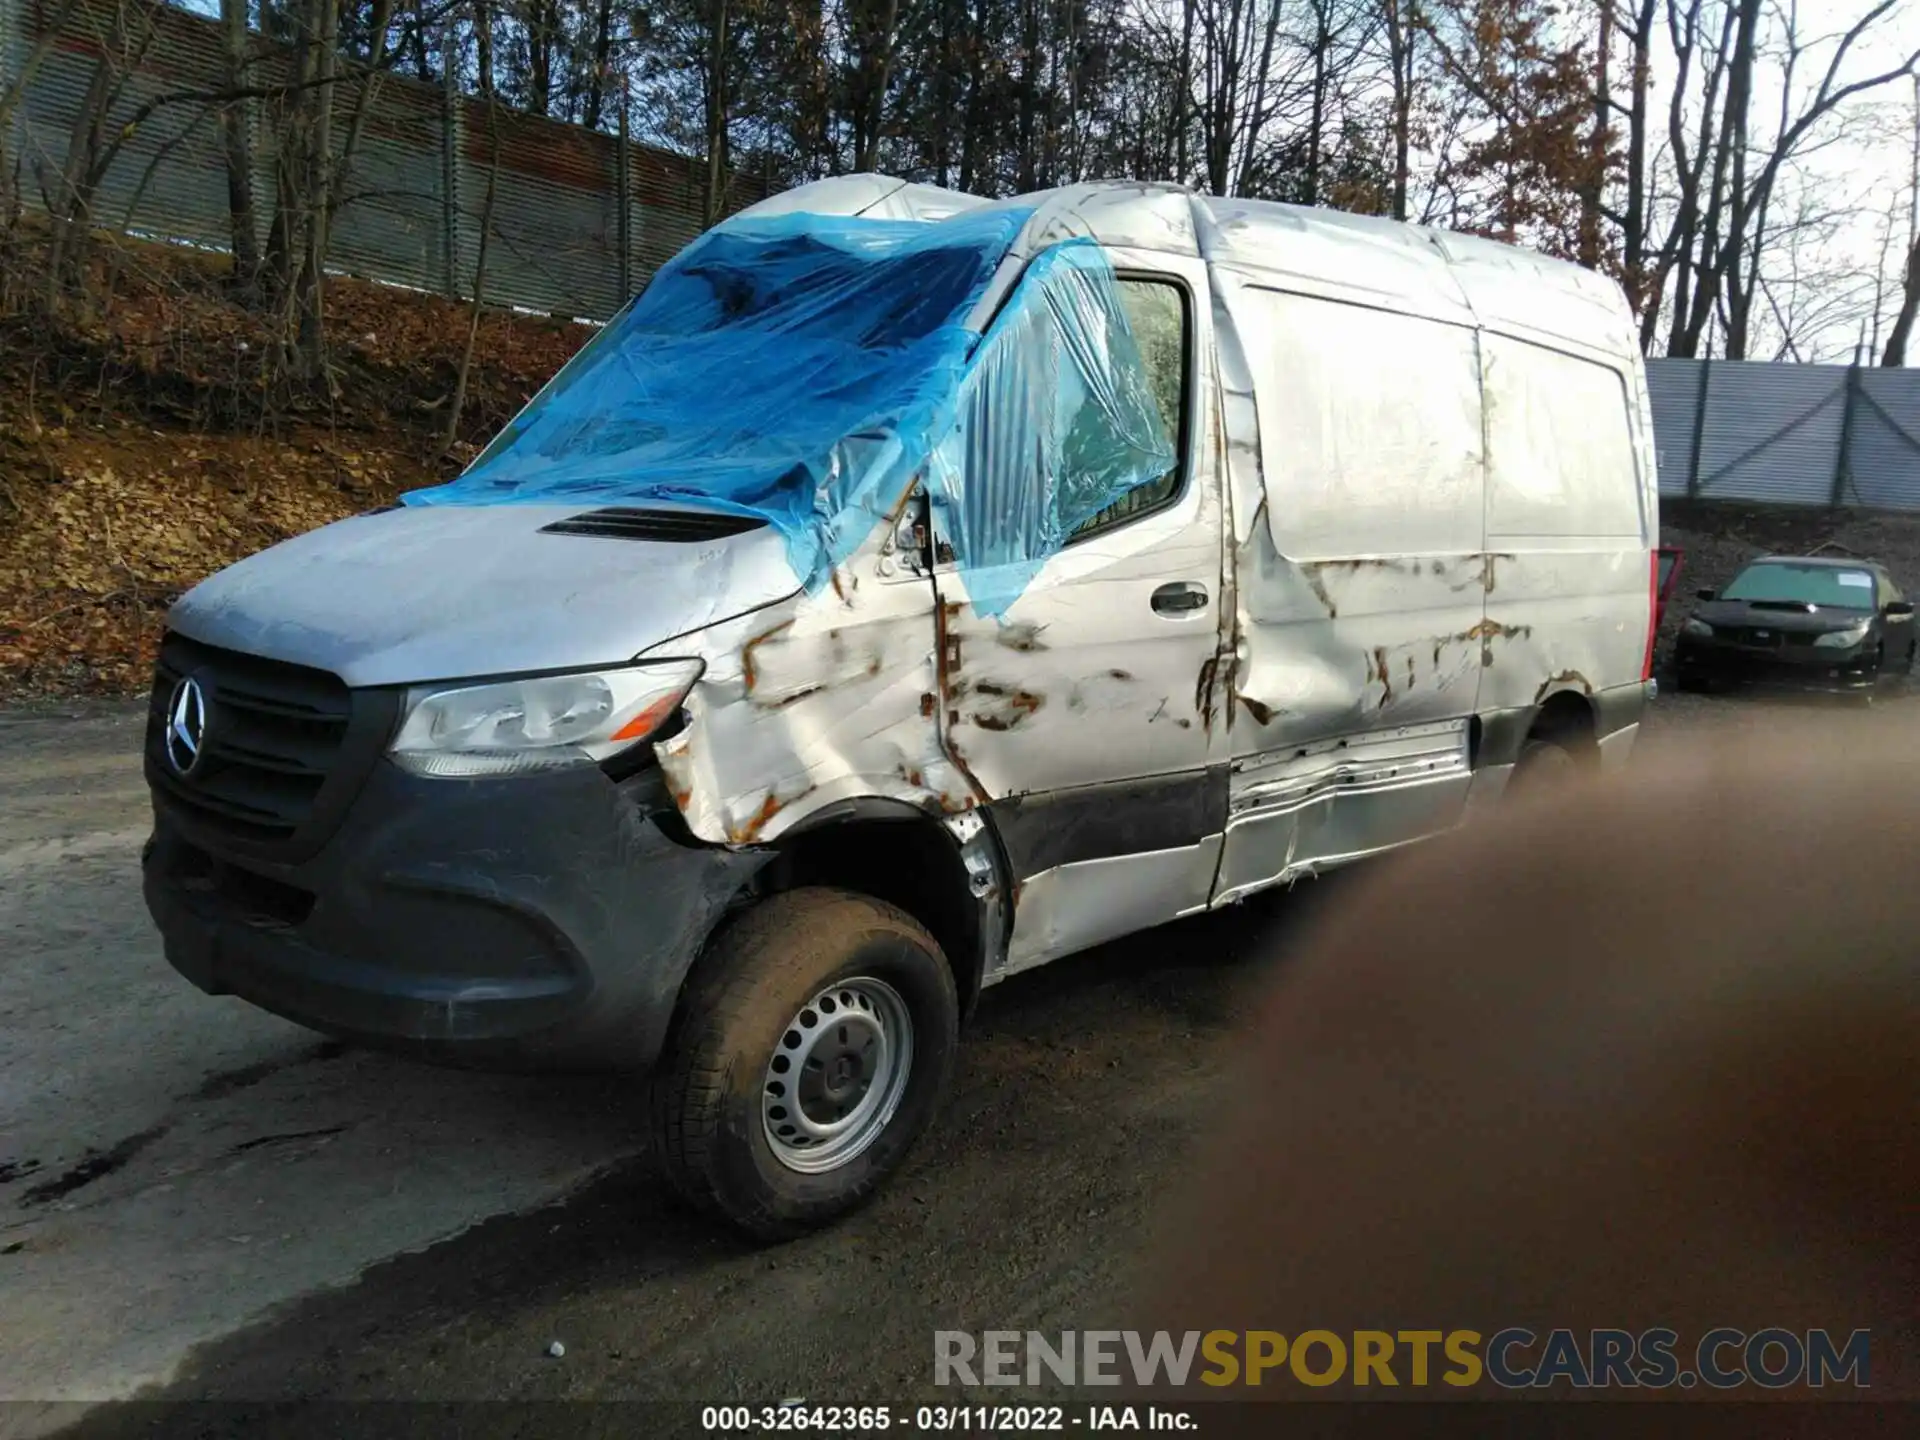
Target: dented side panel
1569, 510
1087, 678
818, 699
1362, 632
1095, 675
1314, 805
1578, 622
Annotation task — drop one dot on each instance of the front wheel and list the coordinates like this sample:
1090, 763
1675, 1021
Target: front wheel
813, 1046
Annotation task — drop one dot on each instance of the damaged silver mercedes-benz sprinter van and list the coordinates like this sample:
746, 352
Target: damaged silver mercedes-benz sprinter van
903, 591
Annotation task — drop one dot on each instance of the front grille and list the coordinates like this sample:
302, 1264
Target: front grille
273, 735
682, 527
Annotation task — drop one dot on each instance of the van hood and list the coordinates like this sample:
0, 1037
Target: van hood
449, 592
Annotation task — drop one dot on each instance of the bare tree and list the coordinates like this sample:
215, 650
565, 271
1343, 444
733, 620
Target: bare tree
1690, 150
14, 91
1236, 39
1900, 334
870, 26
719, 116
459, 401
90, 152
1400, 29
1633, 217
237, 142
1730, 243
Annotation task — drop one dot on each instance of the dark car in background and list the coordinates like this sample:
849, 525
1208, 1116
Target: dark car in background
1798, 622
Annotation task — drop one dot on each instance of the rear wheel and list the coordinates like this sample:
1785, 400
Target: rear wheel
1544, 765
812, 1049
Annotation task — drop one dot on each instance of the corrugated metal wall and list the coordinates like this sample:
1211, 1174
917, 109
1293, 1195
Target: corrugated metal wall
1883, 454
415, 195
1789, 434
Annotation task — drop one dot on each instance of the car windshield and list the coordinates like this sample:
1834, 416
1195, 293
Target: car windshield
1828, 586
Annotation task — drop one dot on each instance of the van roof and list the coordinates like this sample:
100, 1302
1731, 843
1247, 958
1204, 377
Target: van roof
1369, 260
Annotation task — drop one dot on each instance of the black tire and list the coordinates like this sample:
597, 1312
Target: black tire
762, 973
1691, 683
1882, 676
1543, 765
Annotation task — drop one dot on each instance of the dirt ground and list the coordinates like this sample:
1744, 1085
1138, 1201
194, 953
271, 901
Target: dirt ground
198, 1202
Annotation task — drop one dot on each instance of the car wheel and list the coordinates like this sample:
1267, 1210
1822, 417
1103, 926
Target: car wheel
812, 1048
1543, 765
1883, 674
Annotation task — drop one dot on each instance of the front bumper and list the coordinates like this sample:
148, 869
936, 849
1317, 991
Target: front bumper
1792, 668
540, 921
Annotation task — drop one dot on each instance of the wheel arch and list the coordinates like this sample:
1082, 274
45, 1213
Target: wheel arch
1566, 717
950, 873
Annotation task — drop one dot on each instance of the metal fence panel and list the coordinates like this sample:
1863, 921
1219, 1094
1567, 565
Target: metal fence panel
556, 232
1789, 434
1772, 433
414, 194
1883, 453
392, 222
1674, 386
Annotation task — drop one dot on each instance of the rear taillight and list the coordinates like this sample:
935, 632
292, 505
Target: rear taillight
1653, 614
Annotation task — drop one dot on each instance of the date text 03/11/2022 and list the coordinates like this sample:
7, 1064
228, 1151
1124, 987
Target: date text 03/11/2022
939, 1419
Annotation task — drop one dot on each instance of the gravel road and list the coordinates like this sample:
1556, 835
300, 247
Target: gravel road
196, 1196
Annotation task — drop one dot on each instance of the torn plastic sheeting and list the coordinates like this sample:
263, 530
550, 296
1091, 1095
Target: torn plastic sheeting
1056, 423
798, 368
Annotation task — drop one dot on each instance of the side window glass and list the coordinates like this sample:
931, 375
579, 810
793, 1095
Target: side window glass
1889, 592
1157, 312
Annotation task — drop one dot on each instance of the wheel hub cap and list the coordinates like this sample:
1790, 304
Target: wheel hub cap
837, 1075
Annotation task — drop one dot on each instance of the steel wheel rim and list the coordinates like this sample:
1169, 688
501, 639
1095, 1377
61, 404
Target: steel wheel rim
837, 1074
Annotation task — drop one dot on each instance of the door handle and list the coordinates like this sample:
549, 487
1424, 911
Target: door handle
1182, 597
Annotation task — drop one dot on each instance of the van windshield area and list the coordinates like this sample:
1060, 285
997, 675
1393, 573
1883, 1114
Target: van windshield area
1831, 587
743, 372
807, 369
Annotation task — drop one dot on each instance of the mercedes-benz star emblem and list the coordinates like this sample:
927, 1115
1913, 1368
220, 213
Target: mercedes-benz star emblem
186, 725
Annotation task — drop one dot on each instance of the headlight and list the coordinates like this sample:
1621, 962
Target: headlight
544, 723
1697, 628
1843, 639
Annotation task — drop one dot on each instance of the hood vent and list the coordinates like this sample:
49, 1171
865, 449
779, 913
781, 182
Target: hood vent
684, 527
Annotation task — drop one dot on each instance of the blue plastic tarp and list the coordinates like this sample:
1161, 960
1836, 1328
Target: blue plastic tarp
1057, 422
806, 369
